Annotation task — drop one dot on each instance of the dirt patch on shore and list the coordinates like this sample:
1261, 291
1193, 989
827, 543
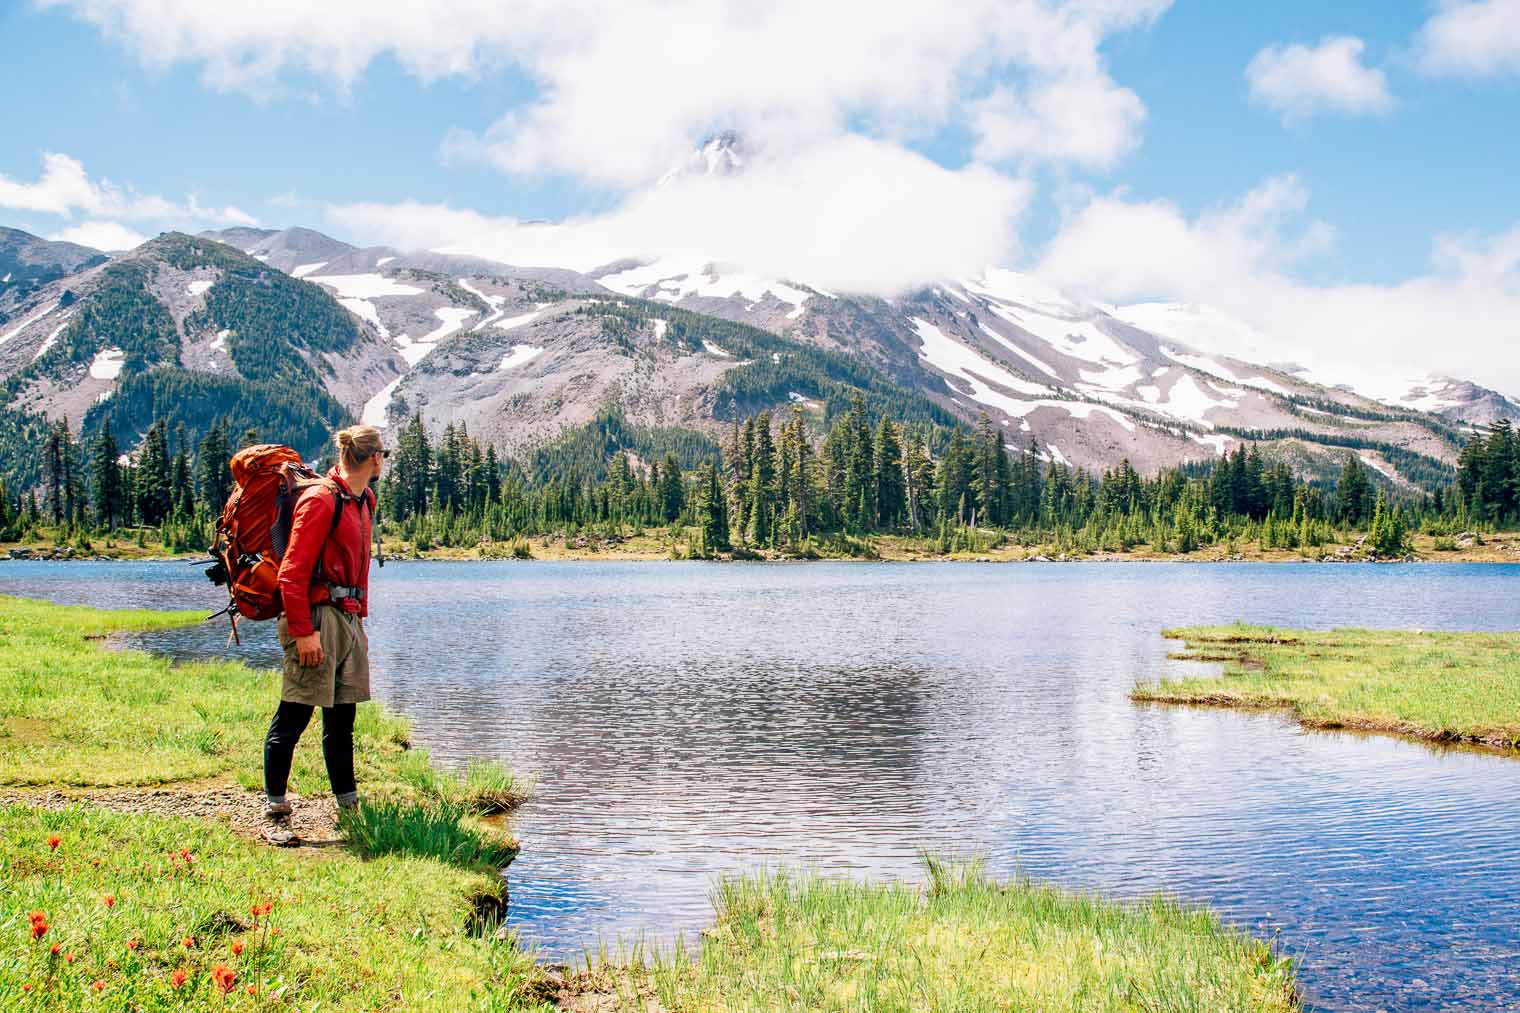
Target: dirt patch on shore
313, 820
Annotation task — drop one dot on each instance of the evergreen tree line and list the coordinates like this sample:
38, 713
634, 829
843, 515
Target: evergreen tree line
775, 485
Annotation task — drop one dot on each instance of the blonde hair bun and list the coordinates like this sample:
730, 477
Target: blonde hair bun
357, 444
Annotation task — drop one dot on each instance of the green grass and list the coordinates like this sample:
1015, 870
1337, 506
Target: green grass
1450, 687
382, 924
786, 942
388, 933
440, 829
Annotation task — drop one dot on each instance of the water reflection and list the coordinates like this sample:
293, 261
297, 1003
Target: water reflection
685, 720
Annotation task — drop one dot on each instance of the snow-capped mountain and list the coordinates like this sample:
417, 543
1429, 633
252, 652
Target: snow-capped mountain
719, 155
522, 354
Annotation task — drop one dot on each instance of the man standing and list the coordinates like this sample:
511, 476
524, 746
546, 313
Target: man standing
324, 582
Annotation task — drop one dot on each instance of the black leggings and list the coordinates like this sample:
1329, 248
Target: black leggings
285, 730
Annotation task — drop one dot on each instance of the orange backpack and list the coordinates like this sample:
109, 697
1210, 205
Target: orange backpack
254, 529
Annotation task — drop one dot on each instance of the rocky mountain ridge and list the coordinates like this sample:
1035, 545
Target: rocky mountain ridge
521, 355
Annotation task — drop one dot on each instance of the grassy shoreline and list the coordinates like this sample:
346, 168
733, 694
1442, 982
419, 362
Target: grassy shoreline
162, 911
1455, 688
658, 545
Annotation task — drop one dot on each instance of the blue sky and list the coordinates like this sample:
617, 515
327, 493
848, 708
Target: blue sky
1336, 164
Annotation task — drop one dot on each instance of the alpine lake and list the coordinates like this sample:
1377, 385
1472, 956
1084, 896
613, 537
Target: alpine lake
683, 720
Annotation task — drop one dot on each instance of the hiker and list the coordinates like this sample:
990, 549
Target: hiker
323, 582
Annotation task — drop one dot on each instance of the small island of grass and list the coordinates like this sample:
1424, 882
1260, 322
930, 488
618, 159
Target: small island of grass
1439, 687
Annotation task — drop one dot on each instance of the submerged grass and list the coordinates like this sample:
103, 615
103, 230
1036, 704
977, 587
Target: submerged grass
1447, 687
964, 942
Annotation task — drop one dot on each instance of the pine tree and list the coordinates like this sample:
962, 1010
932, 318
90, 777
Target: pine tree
215, 476
107, 478
1353, 491
152, 476
760, 492
672, 491
52, 471
891, 496
712, 512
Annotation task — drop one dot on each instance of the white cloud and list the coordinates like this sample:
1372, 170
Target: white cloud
1472, 38
109, 236
848, 214
623, 90
65, 189
1462, 317
1089, 120
1298, 81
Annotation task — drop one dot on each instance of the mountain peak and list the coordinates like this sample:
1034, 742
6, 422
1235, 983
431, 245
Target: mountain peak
720, 154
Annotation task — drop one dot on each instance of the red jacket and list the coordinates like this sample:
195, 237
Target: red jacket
345, 560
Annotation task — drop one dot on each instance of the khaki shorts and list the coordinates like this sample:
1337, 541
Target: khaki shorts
342, 676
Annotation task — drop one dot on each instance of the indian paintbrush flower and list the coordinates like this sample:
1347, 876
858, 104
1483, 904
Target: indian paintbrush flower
237, 948
177, 978
54, 841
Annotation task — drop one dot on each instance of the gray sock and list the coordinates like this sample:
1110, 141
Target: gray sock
348, 798
274, 801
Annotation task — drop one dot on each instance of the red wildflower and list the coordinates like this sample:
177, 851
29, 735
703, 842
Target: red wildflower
224, 976
94, 861
132, 944
54, 949
27, 987
274, 932
109, 900
54, 841
252, 990
69, 957
185, 854
237, 948
99, 985
177, 978
39, 929
189, 943
37, 916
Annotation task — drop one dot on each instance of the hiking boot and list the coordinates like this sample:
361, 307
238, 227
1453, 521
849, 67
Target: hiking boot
276, 829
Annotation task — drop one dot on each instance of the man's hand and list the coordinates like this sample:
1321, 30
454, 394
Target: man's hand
309, 648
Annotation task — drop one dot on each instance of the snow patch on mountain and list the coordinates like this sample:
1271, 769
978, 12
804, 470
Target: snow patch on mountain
493, 301
672, 279
107, 363
518, 321
376, 408
29, 321
302, 270
519, 355
1016, 350
51, 339
365, 310
199, 286
1070, 335
365, 286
